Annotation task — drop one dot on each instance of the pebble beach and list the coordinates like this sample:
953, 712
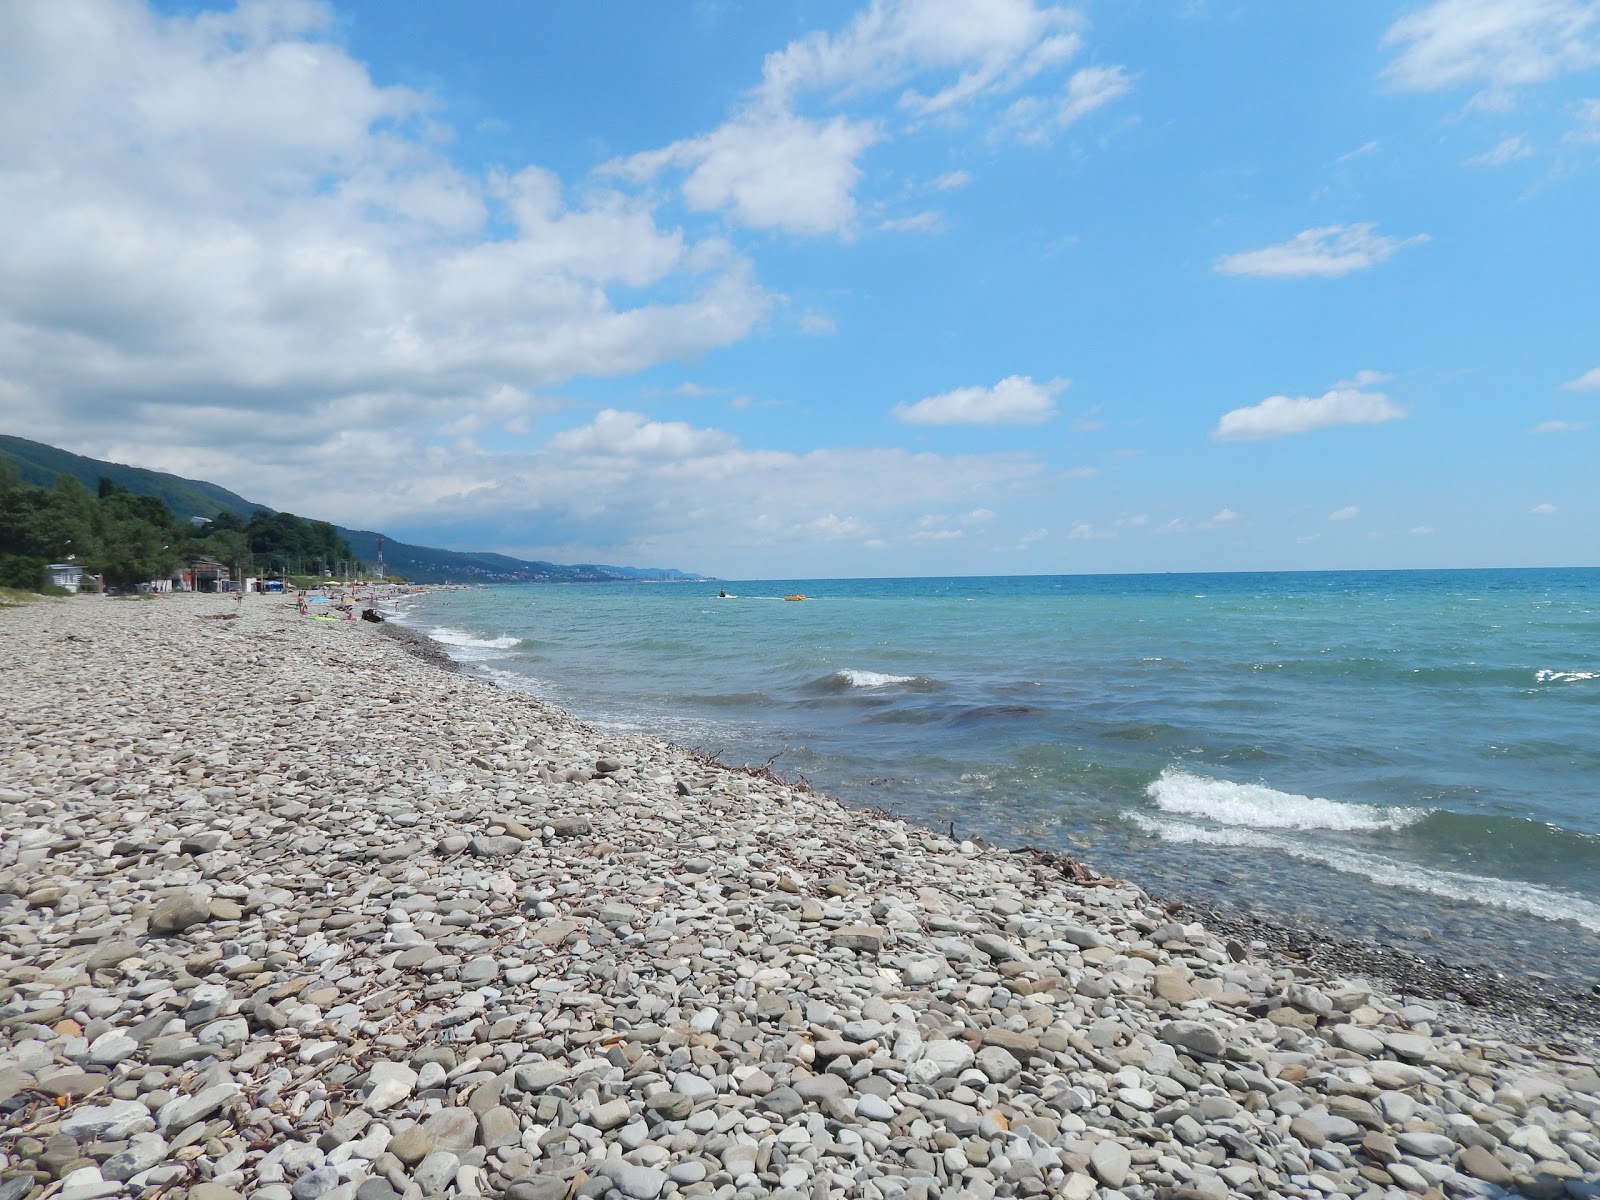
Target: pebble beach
289, 910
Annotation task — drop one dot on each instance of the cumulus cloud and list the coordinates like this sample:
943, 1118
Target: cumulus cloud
774, 165
771, 169
1015, 400
1495, 44
1326, 252
234, 233
1277, 416
1589, 381
1348, 513
625, 479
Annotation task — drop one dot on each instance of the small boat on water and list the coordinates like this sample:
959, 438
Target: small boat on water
796, 596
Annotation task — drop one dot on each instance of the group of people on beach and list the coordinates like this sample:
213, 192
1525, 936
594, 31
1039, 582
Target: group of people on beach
342, 603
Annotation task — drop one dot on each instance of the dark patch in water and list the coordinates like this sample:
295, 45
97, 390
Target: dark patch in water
994, 712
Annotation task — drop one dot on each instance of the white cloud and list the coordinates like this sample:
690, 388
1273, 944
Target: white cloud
236, 236
1360, 151
1278, 416
1015, 400
989, 45
1082, 531
951, 180
614, 434
1224, 517
1035, 119
1543, 510
1326, 252
1558, 427
1348, 513
623, 476
1507, 150
1422, 530
834, 528
816, 324
1496, 44
923, 222
1586, 130
1589, 381
770, 168
1080, 472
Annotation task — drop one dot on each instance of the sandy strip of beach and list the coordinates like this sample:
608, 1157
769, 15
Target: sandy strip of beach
289, 913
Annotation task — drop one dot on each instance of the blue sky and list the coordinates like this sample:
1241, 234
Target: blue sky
879, 288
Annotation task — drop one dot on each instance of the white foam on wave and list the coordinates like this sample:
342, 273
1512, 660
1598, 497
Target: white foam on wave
462, 640
1565, 676
872, 679
1255, 806
1513, 895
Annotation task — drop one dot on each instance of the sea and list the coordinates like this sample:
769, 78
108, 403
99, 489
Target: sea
1404, 757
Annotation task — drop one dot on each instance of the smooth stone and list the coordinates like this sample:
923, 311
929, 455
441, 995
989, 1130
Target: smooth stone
453, 1129
112, 1121
1426, 1145
388, 1083
1110, 1162
411, 1145
436, 1172
315, 1184
498, 1127
1195, 1037
608, 1116
1481, 1164
637, 1183
538, 1187
817, 1088
177, 913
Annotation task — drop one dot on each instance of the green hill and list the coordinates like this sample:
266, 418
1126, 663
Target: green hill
39, 465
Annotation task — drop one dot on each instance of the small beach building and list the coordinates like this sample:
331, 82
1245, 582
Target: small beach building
201, 573
64, 575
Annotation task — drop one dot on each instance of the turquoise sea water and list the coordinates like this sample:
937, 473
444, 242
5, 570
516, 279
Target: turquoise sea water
1407, 756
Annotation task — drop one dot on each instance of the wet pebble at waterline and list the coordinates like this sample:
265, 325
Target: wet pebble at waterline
367, 929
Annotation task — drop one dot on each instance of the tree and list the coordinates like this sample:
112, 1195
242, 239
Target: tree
137, 534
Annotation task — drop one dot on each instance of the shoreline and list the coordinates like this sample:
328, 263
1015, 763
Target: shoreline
359, 928
1530, 1011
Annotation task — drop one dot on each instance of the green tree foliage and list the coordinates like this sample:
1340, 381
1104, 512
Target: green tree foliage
137, 538
128, 539
287, 543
